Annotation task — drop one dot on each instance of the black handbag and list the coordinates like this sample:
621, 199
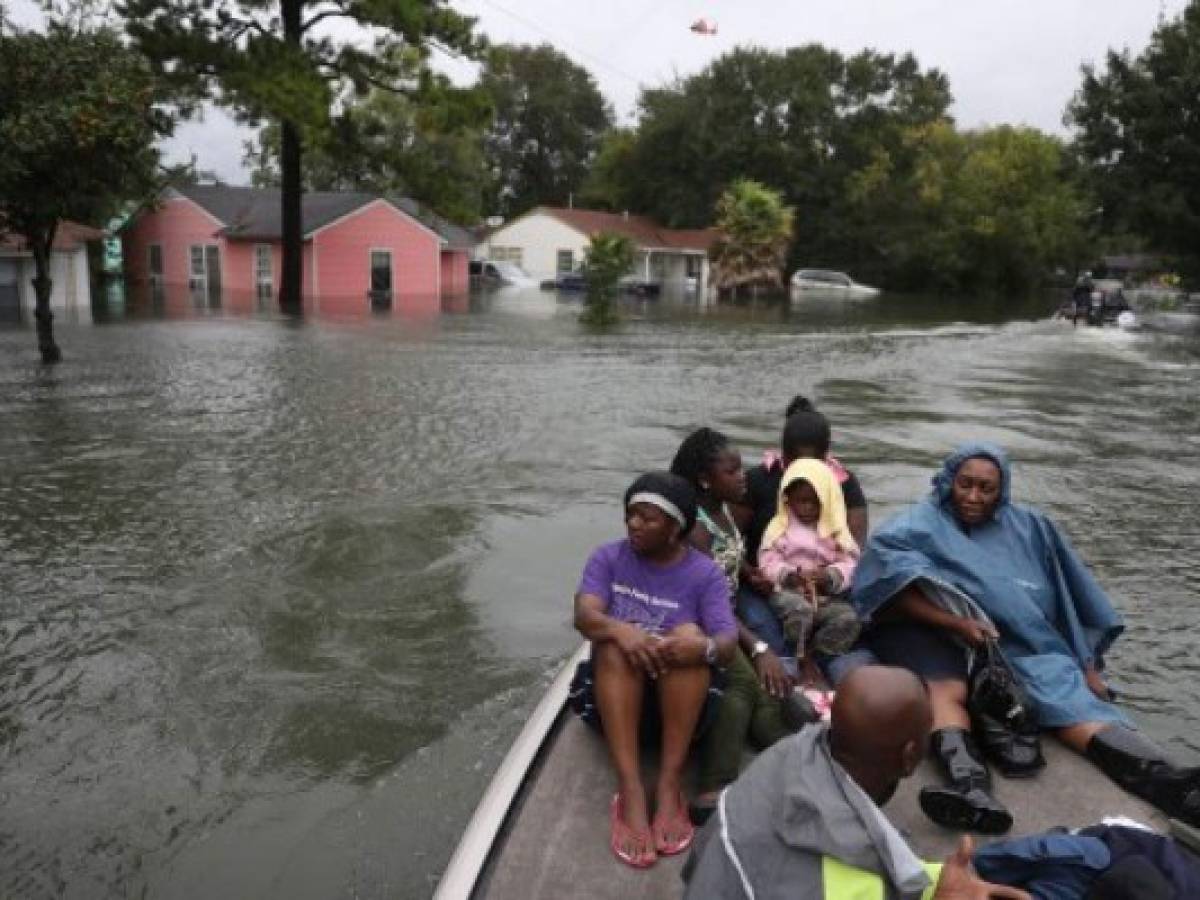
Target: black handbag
1000, 714
995, 690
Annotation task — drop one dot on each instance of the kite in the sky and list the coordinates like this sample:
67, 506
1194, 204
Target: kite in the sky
706, 27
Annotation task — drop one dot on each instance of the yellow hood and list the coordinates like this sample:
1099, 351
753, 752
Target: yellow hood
832, 523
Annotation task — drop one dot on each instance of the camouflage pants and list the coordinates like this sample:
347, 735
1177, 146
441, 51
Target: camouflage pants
830, 629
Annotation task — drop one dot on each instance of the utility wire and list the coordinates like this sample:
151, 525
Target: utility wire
517, 17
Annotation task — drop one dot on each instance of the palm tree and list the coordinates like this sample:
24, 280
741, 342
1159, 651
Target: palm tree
754, 231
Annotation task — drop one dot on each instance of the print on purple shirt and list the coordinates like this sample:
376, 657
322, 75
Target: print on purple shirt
657, 598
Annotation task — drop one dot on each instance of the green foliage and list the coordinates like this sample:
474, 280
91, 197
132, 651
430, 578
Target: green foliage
799, 121
987, 210
990, 210
1138, 137
79, 118
607, 259
284, 62
610, 183
862, 146
427, 145
288, 61
755, 230
549, 120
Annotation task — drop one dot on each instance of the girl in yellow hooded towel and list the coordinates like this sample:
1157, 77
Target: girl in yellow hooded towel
807, 551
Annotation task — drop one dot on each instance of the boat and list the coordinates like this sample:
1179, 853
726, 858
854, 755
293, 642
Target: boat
827, 284
541, 829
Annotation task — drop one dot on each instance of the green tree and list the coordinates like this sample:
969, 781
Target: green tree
608, 184
754, 231
607, 259
1138, 136
990, 210
286, 63
79, 118
800, 121
549, 120
389, 144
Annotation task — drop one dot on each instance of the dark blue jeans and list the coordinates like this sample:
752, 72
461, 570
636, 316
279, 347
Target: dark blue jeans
756, 614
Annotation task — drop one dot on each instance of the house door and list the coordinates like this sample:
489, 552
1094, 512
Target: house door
212, 266
10, 297
381, 279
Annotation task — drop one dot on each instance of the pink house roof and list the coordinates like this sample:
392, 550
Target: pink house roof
643, 231
69, 236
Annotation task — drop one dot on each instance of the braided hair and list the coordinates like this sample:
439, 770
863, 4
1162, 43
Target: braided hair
697, 455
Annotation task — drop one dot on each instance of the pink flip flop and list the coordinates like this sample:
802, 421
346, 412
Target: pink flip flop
621, 834
680, 819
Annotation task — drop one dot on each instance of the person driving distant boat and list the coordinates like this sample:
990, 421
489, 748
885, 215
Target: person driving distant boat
657, 613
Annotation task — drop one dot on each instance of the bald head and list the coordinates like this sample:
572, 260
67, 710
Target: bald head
881, 722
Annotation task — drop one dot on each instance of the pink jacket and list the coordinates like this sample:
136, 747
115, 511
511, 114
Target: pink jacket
800, 550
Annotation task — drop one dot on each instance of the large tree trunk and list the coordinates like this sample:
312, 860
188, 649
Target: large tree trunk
292, 276
42, 285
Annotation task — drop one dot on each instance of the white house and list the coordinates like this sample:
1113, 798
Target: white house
71, 291
550, 240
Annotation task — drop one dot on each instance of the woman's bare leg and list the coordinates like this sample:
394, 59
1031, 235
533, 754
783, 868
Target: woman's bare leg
1079, 735
948, 696
619, 689
681, 695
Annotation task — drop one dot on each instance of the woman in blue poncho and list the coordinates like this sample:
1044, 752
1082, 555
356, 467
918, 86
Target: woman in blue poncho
967, 564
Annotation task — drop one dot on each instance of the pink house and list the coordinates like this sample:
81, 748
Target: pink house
213, 246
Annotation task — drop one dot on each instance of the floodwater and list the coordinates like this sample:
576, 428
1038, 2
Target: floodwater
275, 596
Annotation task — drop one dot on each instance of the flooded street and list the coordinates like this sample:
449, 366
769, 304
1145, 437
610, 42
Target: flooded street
275, 596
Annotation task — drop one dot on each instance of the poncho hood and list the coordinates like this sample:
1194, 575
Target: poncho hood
943, 481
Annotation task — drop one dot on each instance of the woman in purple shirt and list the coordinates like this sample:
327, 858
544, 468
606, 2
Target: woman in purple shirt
658, 615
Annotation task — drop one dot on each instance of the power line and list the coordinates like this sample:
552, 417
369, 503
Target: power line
517, 17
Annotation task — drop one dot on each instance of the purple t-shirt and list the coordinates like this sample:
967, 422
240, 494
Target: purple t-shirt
659, 598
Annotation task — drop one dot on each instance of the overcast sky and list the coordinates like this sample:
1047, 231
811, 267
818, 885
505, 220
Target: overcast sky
1008, 62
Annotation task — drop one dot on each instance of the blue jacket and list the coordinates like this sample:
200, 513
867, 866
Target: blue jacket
1049, 866
1052, 616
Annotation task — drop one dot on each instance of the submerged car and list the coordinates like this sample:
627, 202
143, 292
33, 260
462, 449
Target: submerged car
576, 283
568, 282
826, 283
499, 272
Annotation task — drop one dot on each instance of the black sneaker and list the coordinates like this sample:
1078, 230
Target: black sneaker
798, 711
971, 810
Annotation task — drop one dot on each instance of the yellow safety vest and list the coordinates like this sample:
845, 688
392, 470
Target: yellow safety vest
843, 882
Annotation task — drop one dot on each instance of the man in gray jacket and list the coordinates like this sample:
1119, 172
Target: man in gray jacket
804, 821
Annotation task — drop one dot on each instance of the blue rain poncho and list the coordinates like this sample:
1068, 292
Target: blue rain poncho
1018, 571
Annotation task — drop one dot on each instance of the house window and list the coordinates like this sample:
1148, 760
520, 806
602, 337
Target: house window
264, 273
381, 277
196, 268
566, 261
507, 254
204, 274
